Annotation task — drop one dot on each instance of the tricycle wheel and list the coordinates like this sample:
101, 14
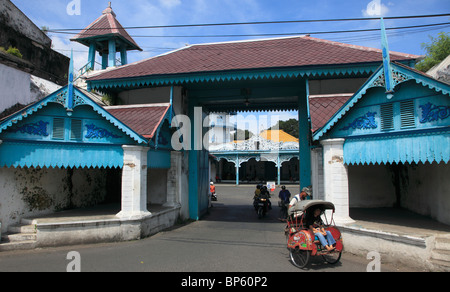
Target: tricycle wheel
332, 258
300, 258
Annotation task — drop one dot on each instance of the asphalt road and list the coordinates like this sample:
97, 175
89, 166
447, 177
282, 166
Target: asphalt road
228, 239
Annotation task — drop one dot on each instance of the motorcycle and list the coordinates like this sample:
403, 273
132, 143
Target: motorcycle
262, 207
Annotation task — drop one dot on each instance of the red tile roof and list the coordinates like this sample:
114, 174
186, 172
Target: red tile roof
143, 119
106, 24
289, 52
322, 108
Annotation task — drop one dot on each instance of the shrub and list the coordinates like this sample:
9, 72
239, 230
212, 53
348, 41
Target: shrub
14, 52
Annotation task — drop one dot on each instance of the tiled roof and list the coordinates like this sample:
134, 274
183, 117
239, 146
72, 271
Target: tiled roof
143, 119
106, 24
301, 51
323, 108
278, 136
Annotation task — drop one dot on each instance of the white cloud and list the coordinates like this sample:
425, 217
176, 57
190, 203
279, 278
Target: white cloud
376, 8
80, 54
170, 3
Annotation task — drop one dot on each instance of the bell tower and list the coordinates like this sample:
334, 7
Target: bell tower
107, 37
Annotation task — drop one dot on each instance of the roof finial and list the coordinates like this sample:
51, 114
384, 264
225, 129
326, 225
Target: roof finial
109, 10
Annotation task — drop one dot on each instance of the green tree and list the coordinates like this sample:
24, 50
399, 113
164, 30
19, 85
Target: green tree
290, 126
246, 134
437, 51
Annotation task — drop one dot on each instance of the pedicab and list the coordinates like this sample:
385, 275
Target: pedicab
301, 241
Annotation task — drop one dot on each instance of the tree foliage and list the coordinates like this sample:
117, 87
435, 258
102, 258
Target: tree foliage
290, 126
437, 51
242, 135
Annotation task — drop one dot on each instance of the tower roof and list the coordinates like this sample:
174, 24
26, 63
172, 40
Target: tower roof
106, 26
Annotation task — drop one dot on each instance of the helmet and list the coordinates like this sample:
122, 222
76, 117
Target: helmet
283, 187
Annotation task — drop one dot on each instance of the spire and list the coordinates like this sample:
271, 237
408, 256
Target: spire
70, 86
107, 37
389, 80
109, 10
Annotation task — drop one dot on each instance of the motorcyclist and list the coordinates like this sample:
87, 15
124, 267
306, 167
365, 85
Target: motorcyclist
256, 196
266, 195
285, 195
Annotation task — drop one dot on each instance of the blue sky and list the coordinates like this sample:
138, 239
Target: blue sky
53, 14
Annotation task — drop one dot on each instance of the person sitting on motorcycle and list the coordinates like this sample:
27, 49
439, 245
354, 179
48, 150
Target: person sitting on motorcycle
212, 188
266, 195
284, 195
256, 196
315, 224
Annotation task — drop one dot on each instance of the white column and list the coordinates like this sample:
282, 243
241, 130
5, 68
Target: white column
134, 183
317, 173
174, 181
335, 174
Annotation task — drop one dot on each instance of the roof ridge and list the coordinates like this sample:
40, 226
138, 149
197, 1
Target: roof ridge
358, 47
136, 106
248, 41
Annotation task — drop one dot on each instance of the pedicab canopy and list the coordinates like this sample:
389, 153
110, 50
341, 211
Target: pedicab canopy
305, 205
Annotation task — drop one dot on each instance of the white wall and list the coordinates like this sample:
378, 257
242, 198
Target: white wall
19, 87
371, 186
14, 87
29, 192
427, 191
425, 188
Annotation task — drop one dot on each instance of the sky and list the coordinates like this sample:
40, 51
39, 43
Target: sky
78, 14
60, 14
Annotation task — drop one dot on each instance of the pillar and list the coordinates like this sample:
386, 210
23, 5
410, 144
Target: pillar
335, 174
238, 166
279, 169
305, 134
317, 173
112, 53
92, 51
105, 57
174, 180
124, 56
134, 183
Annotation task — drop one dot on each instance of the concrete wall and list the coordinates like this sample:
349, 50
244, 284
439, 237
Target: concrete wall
28, 192
111, 230
371, 186
156, 186
426, 190
17, 30
422, 188
19, 87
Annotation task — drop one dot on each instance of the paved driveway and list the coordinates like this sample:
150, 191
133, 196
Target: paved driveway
228, 239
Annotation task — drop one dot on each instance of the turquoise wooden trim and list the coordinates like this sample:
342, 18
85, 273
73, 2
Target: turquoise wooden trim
62, 155
304, 143
423, 147
402, 74
79, 99
312, 72
159, 159
167, 118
